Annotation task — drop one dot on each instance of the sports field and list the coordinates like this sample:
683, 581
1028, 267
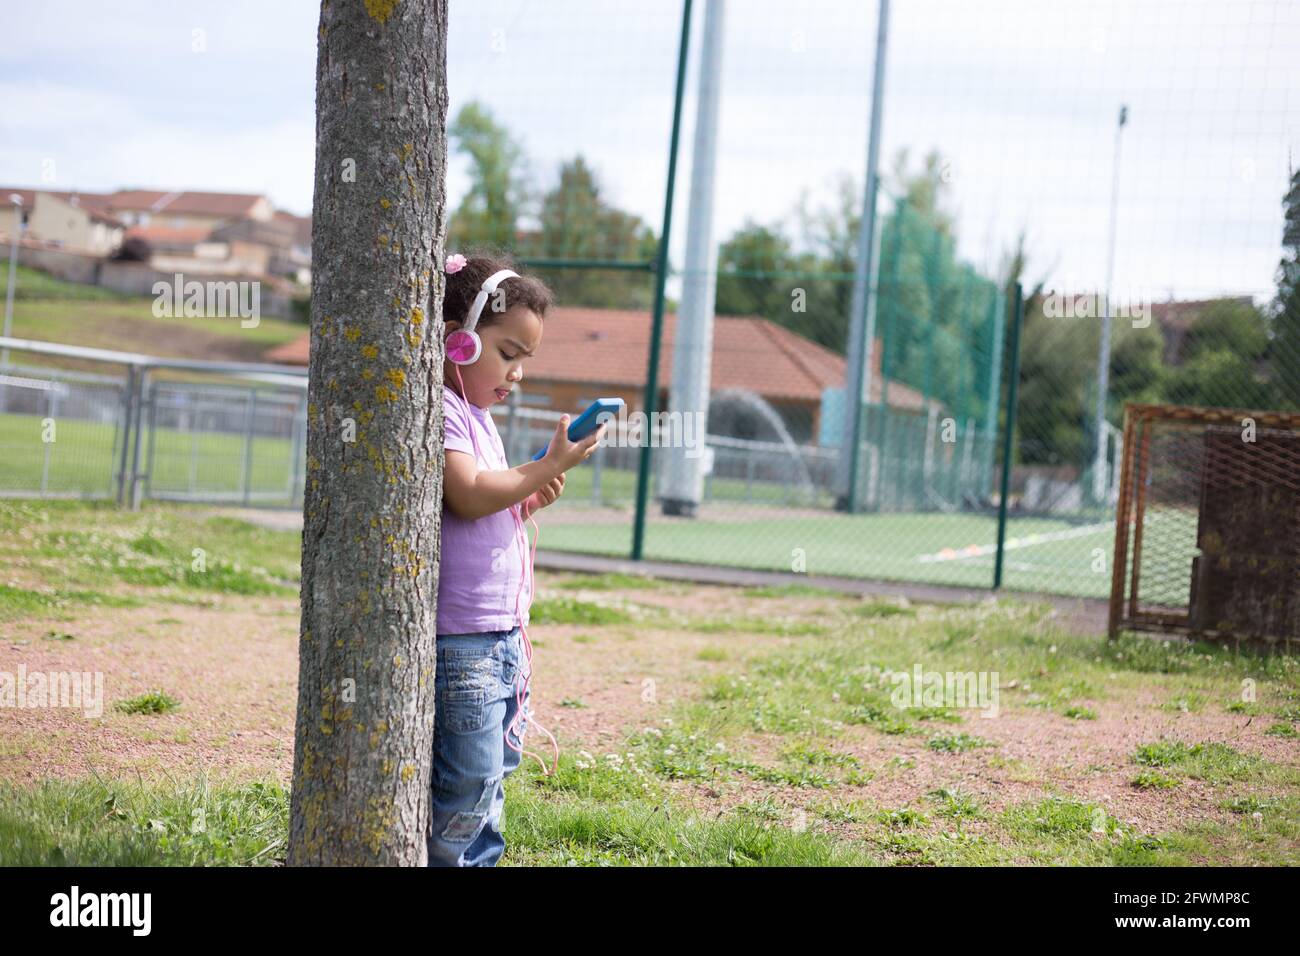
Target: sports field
1046, 555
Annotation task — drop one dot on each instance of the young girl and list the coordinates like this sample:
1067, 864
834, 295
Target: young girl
493, 319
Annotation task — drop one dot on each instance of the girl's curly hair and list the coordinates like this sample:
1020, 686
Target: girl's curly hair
463, 285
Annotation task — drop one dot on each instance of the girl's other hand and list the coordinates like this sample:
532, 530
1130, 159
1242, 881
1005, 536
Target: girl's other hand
544, 496
564, 454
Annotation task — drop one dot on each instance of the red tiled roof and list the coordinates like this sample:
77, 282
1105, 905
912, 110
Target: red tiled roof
233, 205
611, 347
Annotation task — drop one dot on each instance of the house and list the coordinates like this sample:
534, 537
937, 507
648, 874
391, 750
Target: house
592, 353
63, 220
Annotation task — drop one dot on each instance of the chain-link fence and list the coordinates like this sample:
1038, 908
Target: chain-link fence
150, 427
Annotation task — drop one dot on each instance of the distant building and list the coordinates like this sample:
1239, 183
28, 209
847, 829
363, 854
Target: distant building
215, 233
63, 220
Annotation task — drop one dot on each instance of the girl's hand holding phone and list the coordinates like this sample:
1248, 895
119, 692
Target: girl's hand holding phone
564, 454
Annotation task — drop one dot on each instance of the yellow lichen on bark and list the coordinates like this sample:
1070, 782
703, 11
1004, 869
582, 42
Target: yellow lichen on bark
380, 10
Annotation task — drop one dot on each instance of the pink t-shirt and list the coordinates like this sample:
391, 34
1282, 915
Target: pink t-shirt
482, 562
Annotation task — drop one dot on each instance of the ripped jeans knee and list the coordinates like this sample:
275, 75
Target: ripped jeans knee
465, 825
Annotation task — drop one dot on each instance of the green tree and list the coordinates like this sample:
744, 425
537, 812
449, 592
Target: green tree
1136, 367
577, 223
753, 272
498, 193
1284, 350
1223, 360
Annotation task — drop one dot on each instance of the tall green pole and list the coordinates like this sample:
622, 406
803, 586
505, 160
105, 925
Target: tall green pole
651, 401
1013, 386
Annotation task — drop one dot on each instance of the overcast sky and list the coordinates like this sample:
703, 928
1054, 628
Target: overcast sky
1019, 96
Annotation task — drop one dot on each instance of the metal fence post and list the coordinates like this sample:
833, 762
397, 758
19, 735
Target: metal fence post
128, 404
153, 439
248, 444
1018, 318
140, 384
645, 477
296, 434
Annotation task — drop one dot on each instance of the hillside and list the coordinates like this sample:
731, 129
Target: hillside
51, 310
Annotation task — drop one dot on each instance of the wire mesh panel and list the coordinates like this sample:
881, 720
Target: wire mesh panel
232, 443
61, 432
1208, 525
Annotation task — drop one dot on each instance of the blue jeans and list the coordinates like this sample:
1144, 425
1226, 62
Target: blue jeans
475, 703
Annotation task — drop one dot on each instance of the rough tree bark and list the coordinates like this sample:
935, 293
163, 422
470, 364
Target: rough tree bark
372, 510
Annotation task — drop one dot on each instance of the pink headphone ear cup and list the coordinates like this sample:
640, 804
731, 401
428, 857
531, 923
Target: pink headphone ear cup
464, 348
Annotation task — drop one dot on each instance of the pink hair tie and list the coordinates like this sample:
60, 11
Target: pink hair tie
455, 263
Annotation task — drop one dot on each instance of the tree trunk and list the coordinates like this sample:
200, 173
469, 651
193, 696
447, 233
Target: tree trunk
373, 503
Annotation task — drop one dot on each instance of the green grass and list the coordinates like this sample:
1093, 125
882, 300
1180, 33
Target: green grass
957, 743
113, 823
51, 310
567, 610
613, 581
92, 554
33, 285
153, 702
22, 602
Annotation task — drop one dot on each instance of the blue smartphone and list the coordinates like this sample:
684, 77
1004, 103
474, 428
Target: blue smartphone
587, 422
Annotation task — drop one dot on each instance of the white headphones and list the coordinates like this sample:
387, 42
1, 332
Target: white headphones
464, 346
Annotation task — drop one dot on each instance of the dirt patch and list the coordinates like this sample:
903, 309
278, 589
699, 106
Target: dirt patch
232, 666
